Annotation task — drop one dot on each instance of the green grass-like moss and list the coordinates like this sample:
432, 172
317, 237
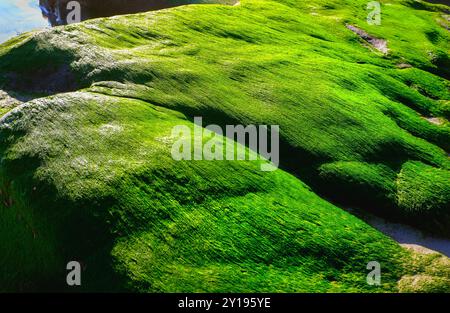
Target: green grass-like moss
87, 174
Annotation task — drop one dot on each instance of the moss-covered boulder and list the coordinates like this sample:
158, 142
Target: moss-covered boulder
86, 172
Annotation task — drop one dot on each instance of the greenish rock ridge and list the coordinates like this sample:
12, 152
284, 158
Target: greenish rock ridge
86, 171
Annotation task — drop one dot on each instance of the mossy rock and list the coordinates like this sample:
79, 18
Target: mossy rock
86, 172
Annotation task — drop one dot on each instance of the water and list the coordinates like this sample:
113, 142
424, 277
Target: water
18, 16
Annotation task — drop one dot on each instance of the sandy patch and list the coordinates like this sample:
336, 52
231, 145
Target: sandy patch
377, 43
